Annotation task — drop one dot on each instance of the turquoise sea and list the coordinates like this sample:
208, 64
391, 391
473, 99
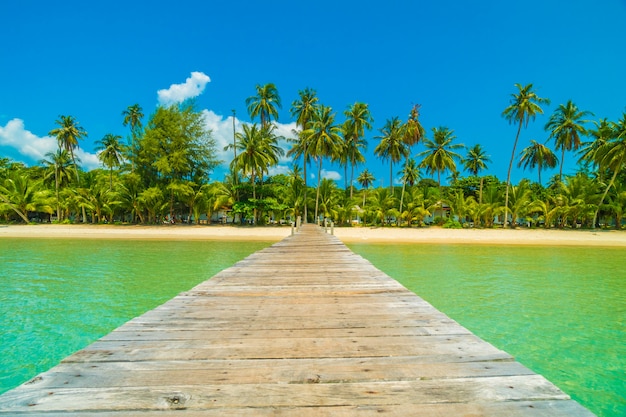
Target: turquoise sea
559, 310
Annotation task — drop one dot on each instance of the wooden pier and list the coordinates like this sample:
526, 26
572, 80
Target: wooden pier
302, 328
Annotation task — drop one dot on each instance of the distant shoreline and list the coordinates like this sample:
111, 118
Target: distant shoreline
394, 235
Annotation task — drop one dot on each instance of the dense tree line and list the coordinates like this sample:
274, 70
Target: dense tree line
163, 171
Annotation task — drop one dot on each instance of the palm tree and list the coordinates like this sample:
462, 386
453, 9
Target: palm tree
324, 140
366, 179
264, 104
58, 164
602, 134
410, 174
537, 155
439, 155
23, 194
392, 145
303, 110
525, 105
358, 119
612, 157
475, 161
132, 117
566, 128
111, 153
68, 133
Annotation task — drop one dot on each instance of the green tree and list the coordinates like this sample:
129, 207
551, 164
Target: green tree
68, 134
132, 117
324, 139
22, 194
365, 179
358, 119
439, 155
111, 153
537, 155
410, 174
474, 162
392, 147
57, 166
603, 133
612, 157
524, 106
264, 104
566, 126
304, 110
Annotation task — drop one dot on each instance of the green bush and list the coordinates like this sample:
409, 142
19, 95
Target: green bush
452, 224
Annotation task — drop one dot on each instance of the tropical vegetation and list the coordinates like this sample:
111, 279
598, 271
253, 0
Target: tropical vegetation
162, 172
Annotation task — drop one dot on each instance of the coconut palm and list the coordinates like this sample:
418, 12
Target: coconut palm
23, 195
68, 134
324, 139
365, 179
264, 104
474, 162
566, 126
537, 155
358, 118
303, 109
525, 105
602, 134
439, 155
612, 157
111, 153
132, 117
58, 166
410, 174
392, 146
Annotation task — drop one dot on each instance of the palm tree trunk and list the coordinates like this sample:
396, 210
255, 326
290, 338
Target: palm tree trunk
480, 192
391, 176
606, 191
56, 187
561, 169
305, 186
351, 178
317, 197
508, 176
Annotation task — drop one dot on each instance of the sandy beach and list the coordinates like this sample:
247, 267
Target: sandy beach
347, 235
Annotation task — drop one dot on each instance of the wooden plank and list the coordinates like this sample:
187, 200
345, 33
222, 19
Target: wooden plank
305, 327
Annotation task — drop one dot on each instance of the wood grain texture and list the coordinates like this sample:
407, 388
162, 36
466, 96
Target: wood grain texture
305, 328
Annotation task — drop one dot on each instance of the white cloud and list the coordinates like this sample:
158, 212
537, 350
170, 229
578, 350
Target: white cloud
192, 87
222, 131
14, 135
331, 175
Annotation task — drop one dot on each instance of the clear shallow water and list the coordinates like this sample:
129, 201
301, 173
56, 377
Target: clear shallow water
561, 311
59, 295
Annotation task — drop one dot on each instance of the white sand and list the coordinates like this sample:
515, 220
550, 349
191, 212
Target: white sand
349, 234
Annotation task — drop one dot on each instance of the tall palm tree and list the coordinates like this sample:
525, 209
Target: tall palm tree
602, 134
474, 162
410, 174
111, 154
525, 105
392, 146
324, 139
58, 165
439, 155
264, 104
366, 179
566, 126
612, 157
68, 134
358, 118
303, 109
132, 117
537, 155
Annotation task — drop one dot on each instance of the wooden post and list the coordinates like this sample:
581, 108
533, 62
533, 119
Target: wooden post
332, 228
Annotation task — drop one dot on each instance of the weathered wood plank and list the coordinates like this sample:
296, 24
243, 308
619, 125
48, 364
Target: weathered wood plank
305, 327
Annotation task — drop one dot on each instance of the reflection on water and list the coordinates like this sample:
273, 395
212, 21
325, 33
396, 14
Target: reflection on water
559, 310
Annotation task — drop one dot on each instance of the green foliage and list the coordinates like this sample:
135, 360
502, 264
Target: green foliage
452, 224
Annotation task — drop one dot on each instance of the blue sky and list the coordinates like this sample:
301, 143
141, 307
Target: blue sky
458, 59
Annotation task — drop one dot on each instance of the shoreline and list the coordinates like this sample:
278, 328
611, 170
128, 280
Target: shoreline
434, 235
